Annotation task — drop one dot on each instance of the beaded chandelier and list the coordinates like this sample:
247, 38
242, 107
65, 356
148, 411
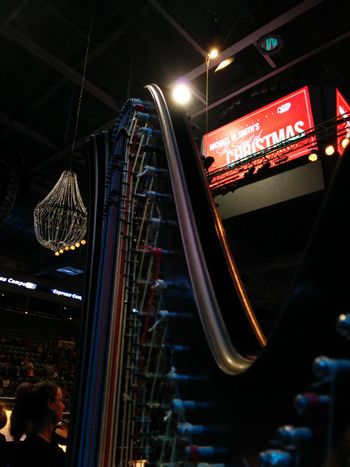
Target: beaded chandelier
60, 220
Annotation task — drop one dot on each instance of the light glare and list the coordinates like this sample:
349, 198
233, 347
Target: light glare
182, 94
330, 150
313, 157
345, 142
213, 53
224, 64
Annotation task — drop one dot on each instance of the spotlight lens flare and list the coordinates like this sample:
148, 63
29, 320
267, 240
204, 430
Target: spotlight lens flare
330, 150
313, 157
213, 53
182, 94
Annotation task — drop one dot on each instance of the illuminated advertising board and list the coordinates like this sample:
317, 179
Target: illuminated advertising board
18, 283
8, 280
265, 133
63, 293
342, 112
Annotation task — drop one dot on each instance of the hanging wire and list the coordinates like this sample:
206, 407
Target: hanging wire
237, 19
82, 89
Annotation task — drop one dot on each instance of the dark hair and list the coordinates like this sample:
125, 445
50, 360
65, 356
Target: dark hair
3, 417
31, 411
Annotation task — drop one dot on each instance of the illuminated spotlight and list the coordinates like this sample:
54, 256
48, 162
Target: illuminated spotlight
57, 253
182, 94
313, 156
345, 142
329, 150
214, 53
72, 247
224, 64
83, 242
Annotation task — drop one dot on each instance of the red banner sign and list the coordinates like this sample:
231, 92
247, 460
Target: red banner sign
264, 133
342, 112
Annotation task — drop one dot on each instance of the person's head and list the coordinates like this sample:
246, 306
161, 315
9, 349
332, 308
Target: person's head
3, 417
37, 407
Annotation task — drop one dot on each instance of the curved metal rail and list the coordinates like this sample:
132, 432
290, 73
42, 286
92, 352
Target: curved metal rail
223, 350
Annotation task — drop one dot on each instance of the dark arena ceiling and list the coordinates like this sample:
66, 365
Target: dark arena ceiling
132, 44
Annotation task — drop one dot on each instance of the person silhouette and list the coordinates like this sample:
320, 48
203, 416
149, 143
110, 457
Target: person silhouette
37, 410
3, 421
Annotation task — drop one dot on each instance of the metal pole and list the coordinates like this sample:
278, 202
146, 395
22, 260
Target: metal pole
207, 62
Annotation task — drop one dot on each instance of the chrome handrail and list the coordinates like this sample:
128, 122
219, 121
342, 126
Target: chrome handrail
224, 352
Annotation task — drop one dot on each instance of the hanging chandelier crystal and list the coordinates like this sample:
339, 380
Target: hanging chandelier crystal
60, 220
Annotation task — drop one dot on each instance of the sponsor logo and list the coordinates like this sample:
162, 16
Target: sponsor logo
12, 281
284, 108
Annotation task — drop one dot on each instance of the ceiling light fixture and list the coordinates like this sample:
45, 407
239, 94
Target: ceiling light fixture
270, 44
224, 64
345, 142
313, 156
60, 251
329, 150
214, 53
60, 219
182, 94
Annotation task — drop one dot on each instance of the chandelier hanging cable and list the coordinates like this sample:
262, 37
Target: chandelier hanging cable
60, 219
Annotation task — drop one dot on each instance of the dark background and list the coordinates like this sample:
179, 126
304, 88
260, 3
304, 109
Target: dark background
134, 43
